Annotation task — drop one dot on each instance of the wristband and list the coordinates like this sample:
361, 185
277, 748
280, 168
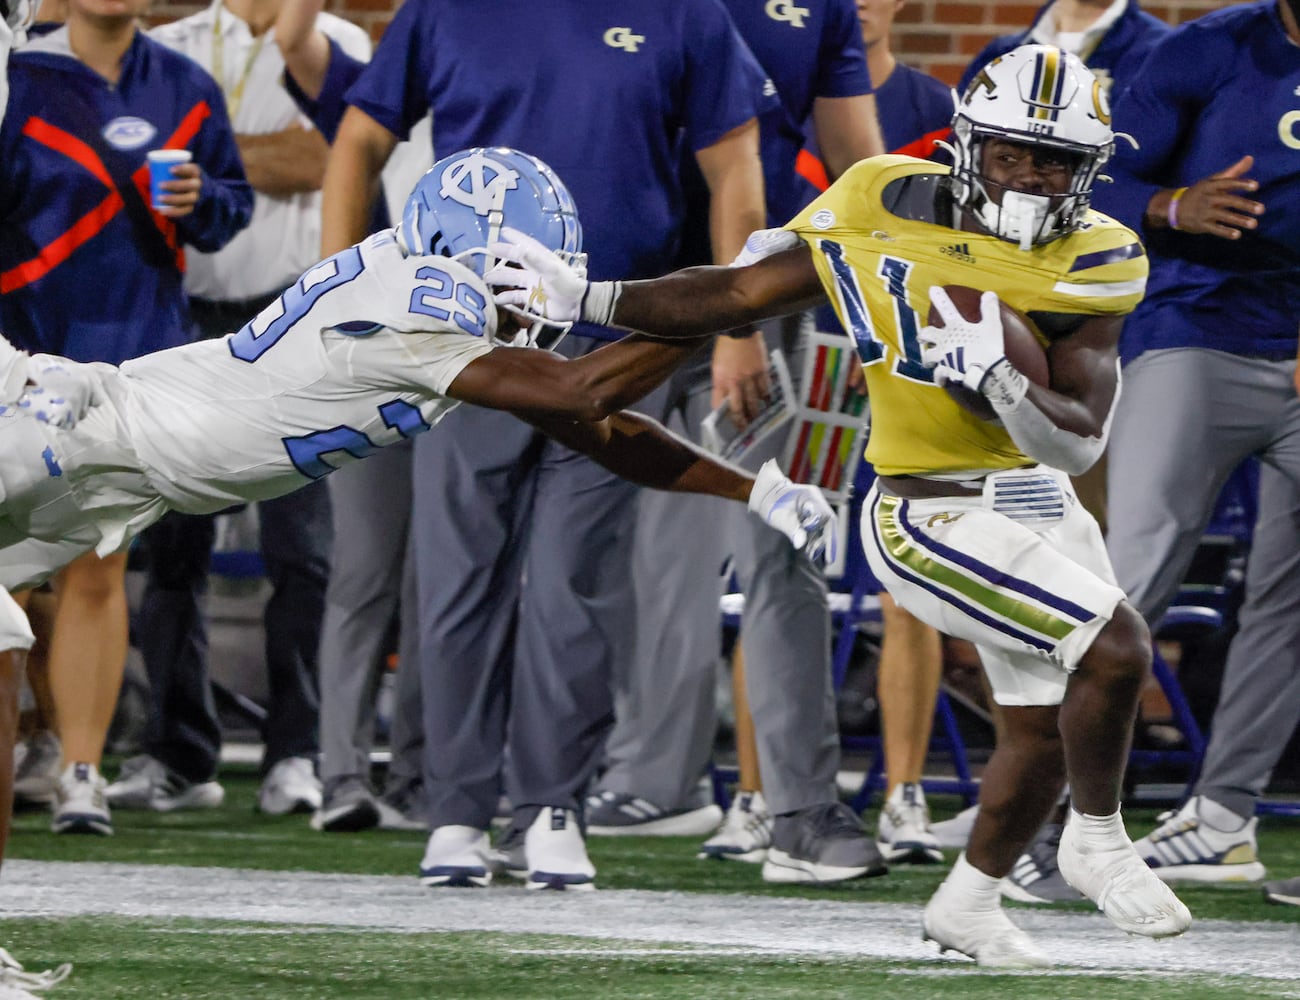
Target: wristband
599, 300
1172, 211
1004, 386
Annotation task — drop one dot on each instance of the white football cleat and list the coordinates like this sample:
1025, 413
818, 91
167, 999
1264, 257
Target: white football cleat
985, 934
1114, 876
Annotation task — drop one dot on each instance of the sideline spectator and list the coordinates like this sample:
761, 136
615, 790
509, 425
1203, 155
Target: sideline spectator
521, 546
662, 742
1209, 379
87, 101
371, 578
285, 160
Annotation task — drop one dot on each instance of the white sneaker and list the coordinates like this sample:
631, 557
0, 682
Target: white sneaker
1186, 848
1115, 877
147, 783
81, 806
457, 857
904, 833
291, 786
36, 770
984, 934
556, 852
953, 834
15, 983
745, 834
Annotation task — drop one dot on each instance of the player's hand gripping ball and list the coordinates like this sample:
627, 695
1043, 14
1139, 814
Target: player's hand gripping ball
968, 333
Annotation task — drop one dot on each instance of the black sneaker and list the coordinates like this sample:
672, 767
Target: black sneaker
825, 843
348, 807
617, 814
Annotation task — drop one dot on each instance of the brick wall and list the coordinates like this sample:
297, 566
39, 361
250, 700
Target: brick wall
938, 36
942, 36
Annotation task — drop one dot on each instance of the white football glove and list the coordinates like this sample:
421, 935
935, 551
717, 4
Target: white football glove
962, 351
541, 286
64, 390
799, 512
544, 287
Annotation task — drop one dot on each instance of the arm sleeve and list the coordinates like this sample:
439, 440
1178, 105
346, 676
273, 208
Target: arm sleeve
390, 89
726, 83
1033, 431
226, 199
842, 68
326, 111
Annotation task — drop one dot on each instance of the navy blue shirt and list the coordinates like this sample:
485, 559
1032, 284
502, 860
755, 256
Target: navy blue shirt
810, 49
607, 92
80, 274
1212, 91
326, 109
1115, 59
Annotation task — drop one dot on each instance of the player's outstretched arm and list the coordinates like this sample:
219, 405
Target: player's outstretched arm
682, 305
641, 450
588, 388
578, 403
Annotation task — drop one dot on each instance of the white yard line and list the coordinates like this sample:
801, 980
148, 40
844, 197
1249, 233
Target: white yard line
733, 923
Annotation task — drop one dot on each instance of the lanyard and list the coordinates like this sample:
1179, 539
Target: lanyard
235, 95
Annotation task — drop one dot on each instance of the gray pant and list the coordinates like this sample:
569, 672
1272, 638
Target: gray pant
1186, 420
522, 550
370, 580
663, 739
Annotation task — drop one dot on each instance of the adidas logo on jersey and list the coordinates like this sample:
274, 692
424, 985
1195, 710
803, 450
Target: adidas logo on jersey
959, 251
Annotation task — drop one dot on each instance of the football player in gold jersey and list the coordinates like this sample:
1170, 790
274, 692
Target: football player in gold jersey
972, 525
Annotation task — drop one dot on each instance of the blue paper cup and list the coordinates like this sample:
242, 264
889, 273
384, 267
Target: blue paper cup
161, 162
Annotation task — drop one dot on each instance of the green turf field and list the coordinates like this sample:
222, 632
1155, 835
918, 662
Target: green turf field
231, 904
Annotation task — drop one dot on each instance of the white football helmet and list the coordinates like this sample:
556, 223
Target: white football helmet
1042, 96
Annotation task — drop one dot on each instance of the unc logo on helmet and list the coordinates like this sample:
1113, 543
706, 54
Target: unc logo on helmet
458, 208
1042, 97
477, 182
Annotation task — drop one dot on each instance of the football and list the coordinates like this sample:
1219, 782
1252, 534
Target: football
1019, 341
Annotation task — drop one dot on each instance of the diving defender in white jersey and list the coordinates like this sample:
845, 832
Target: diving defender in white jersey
370, 346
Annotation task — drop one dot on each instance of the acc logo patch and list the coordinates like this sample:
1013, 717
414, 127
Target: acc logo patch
478, 182
128, 133
623, 38
823, 219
